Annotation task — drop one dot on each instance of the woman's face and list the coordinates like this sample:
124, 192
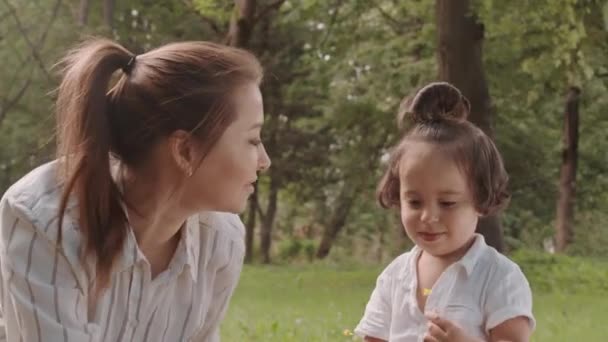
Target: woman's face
225, 178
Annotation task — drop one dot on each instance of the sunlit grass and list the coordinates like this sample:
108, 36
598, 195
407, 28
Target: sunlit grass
324, 303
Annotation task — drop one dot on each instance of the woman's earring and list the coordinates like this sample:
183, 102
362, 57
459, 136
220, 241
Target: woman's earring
189, 172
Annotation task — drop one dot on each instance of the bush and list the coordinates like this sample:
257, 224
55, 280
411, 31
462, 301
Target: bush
295, 249
560, 273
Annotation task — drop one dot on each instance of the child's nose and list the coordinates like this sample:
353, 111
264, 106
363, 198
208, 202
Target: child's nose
429, 215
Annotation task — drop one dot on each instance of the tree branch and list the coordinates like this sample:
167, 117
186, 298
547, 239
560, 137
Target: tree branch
214, 26
42, 39
4, 15
332, 22
268, 8
212, 23
34, 51
9, 103
395, 24
260, 212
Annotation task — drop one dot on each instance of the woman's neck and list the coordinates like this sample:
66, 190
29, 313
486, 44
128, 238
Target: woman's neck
153, 210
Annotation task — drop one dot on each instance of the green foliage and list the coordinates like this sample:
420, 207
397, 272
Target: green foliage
557, 273
214, 9
295, 249
335, 74
533, 52
31, 39
592, 239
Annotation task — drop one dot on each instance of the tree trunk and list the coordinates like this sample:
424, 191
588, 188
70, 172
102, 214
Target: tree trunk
268, 219
239, 35
567, 184
108, 13
83, 12
241, 23
461, 64
381, 242
248, 8
250, 225
337, 220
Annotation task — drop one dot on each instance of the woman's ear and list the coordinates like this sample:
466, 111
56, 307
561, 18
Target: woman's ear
183, 151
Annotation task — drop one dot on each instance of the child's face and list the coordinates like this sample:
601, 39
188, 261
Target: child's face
437, 206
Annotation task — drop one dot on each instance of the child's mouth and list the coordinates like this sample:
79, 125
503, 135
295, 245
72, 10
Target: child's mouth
430, 237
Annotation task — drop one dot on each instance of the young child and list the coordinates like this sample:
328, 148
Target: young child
444, 175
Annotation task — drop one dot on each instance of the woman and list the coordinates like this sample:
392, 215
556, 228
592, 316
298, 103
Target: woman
131, 234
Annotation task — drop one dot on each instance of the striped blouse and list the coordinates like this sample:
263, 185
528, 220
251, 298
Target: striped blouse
44, 287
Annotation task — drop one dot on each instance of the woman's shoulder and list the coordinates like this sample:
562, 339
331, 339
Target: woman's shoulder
34, 200
36, 188
29, 216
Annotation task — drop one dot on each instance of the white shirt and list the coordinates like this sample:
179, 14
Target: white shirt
44, 286
478, 292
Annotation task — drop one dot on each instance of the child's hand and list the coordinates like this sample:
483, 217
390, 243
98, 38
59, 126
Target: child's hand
442, 330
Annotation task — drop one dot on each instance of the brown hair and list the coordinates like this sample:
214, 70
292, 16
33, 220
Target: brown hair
437, 114
179, 86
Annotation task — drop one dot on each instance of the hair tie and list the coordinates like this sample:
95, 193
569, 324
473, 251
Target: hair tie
129, 66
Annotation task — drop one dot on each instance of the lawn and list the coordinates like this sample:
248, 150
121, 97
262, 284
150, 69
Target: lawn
320, 302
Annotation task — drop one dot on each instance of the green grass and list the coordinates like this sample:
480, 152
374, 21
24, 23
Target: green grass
318, 302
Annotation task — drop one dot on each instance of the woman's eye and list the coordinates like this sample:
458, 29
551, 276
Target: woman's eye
255, 142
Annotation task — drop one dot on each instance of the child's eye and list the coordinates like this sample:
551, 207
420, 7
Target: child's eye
447, 204
414, 203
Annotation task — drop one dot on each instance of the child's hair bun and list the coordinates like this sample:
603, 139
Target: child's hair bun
435, 102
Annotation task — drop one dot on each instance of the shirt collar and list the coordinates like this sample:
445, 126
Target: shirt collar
186, 254
468, 261
471, 257
191, 240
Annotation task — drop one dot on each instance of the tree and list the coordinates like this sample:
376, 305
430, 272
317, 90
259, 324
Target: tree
108, 13
552, 45
460, 63
83, 12
241, 24
567, 184
30, 38
247, 16
364, 86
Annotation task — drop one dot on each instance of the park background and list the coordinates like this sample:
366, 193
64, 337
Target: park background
536, 73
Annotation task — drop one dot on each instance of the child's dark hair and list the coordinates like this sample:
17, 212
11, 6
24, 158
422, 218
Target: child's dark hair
437, 114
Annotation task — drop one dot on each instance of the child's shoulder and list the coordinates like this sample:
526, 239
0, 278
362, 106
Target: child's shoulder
496, 266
